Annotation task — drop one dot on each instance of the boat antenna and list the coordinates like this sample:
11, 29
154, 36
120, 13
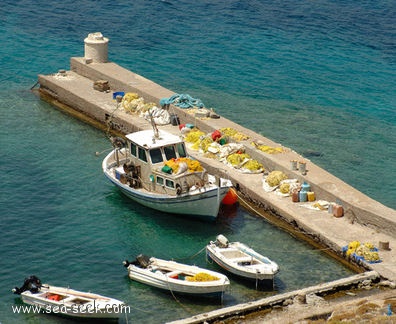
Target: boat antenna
154, 125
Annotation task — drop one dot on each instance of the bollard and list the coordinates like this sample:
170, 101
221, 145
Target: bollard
302, 167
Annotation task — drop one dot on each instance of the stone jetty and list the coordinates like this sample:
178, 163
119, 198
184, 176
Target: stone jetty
86, 91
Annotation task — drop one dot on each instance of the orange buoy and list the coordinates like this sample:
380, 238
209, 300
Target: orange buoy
230, 198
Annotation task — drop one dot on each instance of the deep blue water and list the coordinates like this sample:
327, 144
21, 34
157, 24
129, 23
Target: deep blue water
314, 75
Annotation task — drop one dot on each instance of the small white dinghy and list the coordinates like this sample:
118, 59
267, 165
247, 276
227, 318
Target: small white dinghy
69, 302
176, 277
241, 260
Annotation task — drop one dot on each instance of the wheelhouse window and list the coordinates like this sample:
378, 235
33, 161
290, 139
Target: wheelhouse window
133, 149
142, 154
181, 149
156, 155
160, 181
170, 152
169, 183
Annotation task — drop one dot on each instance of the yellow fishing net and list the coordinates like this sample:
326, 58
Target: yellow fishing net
233, 133
131, 102
366, 250
268, 149
236, 159
202, 276
275, 177
193, 136
284, 188
192, 165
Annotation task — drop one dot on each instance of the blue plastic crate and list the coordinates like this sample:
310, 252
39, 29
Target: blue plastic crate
119, 93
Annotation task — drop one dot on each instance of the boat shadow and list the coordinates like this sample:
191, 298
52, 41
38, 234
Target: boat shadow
230, 217
268, 286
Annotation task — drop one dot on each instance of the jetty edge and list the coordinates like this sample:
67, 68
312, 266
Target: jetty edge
365, 219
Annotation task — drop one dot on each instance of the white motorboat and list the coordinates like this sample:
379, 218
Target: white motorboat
69, 302
153, 168
176, 277
241, 260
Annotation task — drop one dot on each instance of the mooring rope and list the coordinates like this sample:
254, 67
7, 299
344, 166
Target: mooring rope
260, 214
109, 121
192, 256
187, 309
37, 82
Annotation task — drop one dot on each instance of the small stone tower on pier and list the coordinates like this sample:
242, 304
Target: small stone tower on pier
96, 48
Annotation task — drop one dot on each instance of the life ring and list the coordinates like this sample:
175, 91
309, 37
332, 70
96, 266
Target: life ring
178, 190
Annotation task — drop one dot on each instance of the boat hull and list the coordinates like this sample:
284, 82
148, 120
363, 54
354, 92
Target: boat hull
175, 281
248, 266
74, 304
203, 203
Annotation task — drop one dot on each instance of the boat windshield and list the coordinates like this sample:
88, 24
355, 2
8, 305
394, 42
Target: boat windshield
142, 154
170, 152
156, 156
133, 149
181, 150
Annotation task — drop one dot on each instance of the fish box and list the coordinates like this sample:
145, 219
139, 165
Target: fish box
119, 172
119, 93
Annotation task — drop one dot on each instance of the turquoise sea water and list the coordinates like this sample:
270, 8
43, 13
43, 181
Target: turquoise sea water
318, 77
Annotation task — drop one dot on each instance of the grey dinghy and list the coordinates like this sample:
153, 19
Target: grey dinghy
140, 168
69, 302
241, 260
176, 277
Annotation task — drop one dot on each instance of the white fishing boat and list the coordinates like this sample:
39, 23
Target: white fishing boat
69, 302
176, 277
153, 168
241, 260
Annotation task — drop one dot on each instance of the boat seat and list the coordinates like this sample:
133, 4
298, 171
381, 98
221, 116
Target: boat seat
243, 259
173, 273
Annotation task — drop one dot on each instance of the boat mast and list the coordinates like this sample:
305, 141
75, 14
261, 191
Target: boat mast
154, 125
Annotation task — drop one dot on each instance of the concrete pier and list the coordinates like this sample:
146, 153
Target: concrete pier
277, 299
365, 219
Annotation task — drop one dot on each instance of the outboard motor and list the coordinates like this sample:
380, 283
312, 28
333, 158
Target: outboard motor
221, 241
33, 284
142, 261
